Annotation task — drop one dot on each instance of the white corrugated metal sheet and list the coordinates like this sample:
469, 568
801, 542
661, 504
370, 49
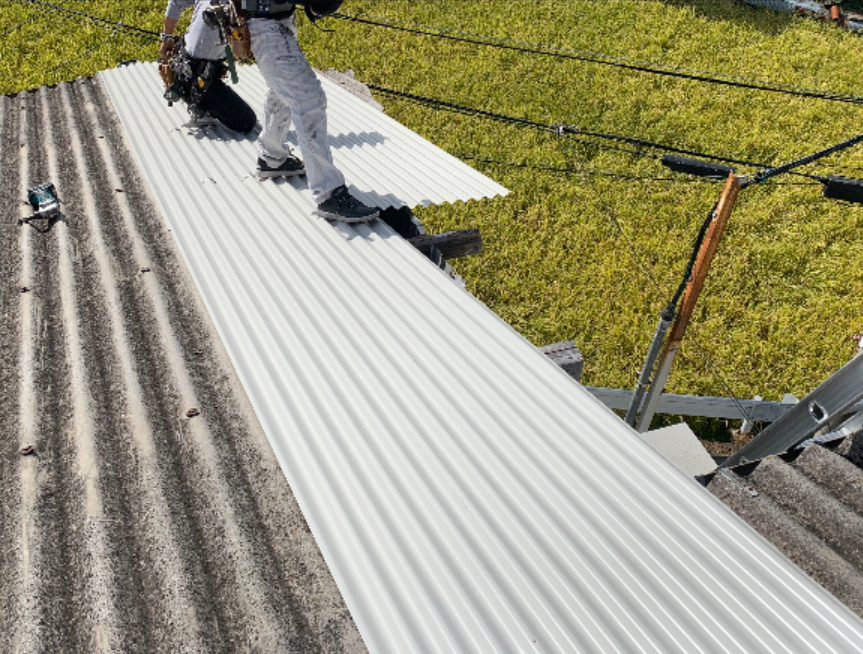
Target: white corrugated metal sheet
385, 164
466, 493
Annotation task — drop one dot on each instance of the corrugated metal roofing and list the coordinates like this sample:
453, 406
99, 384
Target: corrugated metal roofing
467, 495
126, 526
385, 163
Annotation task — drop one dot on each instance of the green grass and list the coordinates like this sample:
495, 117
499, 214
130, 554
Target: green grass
587, 257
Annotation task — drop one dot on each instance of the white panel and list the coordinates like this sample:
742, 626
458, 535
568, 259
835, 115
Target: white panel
467, 494
679, 444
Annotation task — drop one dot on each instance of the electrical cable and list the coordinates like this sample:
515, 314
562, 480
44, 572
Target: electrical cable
566, 130
131, 29
83, 54
598, 58
767, 173
591, 173
20, 25
693, 257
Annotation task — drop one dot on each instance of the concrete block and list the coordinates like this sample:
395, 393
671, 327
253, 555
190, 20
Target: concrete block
567, 356
679, 444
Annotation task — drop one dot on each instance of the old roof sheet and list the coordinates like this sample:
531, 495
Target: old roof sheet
809, 504
125, 524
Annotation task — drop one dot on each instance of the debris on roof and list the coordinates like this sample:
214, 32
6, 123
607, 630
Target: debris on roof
679, 444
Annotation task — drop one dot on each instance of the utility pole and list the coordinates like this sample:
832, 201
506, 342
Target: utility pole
835, 187
690, 296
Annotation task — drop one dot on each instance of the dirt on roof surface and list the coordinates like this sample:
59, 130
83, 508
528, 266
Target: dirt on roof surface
141, 507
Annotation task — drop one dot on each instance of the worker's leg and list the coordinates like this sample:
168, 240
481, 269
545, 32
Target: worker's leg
275, 124
296, 93
229, 108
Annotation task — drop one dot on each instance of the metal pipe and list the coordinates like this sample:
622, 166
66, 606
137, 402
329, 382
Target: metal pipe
644, 379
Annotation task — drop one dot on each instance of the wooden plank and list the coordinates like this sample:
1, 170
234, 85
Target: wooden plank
452, 245
690, 296
705, 257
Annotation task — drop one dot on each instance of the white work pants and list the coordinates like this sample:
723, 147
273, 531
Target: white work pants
293, 92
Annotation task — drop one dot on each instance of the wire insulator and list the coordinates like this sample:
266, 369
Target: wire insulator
696, 167
842, 188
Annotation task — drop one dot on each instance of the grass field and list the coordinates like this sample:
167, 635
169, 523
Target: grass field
581, 254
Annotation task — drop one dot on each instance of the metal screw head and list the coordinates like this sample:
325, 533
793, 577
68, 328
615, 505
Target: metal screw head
191, 413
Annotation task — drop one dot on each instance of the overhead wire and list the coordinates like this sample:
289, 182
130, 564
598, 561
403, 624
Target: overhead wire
578, 171
86, 53
598, 58
130, 29
563, 130
21, 24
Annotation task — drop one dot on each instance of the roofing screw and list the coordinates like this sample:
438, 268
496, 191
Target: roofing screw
119, 190
191, 413
145, 270
26, 451
25, 289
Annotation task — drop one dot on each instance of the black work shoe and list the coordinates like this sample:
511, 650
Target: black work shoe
341, 205
290, 167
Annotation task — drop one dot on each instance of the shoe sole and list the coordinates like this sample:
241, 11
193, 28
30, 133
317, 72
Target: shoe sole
270, 174
345, 219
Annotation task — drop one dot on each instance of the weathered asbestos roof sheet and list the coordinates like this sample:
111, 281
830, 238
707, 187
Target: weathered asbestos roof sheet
131, 527
467, 495
809, 504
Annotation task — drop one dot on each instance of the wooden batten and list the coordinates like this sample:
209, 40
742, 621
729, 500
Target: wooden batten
452, 245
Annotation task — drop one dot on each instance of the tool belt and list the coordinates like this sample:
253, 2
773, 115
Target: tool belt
230, 19
267, 8
192, 78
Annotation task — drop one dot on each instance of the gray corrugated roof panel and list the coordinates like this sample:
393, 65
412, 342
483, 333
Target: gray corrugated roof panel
467, 494
126, 526
810, 505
